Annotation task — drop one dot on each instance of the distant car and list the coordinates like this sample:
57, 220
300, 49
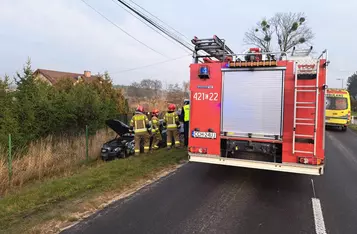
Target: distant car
122, 145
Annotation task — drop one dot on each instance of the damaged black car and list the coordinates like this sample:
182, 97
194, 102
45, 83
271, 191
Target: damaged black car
122, 145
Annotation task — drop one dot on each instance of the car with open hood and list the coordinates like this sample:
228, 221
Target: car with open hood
122, 145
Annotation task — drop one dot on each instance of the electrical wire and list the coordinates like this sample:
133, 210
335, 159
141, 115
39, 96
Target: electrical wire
150, 65
163, 30
117, 26
147, 24
160, 27
185, 44
159, 19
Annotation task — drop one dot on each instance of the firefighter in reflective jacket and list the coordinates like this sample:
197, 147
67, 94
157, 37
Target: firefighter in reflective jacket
186, 118
140, 125
172, 123
156, 135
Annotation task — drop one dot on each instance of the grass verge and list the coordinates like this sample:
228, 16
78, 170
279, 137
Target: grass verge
49, 157
56, 200
353, 127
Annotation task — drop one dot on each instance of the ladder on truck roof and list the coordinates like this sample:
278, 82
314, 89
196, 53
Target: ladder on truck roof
214, 47
306, 69
302, 53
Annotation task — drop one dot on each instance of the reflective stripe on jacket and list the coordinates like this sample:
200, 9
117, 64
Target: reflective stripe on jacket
155, 124
186, 109
171, 119
139, 122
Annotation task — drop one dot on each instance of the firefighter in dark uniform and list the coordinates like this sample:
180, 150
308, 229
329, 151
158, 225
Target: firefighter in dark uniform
156, 135
172, 123
140, 125
185, 113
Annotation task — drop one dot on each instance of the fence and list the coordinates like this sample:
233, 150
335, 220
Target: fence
85, 141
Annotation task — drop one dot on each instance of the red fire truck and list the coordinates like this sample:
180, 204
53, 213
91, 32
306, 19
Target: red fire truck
261, 110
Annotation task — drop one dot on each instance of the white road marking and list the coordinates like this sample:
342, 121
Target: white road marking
313, 187
319, 218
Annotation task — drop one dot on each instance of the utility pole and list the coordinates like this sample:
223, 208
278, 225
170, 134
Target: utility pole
341, 79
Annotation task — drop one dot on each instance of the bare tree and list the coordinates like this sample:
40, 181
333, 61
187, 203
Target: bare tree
260, 35
175, 94
186, 89
134, 92
157, 92
290, 30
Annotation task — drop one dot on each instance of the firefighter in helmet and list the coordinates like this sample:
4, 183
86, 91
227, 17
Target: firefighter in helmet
156, 135
172, 123
140, 125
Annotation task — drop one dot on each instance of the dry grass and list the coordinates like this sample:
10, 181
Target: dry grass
43, 207
50, 157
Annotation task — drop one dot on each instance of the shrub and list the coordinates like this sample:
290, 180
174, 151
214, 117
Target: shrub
37, 109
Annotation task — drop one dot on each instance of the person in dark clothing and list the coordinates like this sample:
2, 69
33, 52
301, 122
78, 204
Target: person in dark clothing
185, 116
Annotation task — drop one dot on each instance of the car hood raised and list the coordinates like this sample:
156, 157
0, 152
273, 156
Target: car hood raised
118, 126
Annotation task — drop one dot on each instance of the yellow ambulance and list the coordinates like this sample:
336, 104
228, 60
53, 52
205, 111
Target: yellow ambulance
338, 108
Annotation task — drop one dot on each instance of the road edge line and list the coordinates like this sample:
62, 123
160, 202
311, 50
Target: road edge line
318, 216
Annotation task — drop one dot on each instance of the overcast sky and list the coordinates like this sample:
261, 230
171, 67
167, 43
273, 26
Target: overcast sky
66, 35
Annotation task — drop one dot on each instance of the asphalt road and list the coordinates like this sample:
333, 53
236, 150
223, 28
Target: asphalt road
201, 198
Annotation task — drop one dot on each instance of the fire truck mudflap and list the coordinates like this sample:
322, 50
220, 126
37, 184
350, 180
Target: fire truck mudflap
257, 111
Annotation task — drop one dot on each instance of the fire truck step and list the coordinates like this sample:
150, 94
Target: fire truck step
305, 119
302, 135
303, 152
306, 86
308, 124
306, 91
305, 102
312, 107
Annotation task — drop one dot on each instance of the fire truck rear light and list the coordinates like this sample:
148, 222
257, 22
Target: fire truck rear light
311, 160
197, 150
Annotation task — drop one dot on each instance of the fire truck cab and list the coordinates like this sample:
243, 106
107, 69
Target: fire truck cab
261, 110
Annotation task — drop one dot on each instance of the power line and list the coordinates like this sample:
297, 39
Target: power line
147, 24
150, 65
170, 34
122, 29
159, 19
160, 27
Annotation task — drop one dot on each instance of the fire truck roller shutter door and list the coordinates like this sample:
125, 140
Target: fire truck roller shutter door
253, 102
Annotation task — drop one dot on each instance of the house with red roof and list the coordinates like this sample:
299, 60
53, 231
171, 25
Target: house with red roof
52, 77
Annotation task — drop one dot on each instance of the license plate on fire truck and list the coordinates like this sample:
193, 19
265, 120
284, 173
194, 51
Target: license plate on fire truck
208, 135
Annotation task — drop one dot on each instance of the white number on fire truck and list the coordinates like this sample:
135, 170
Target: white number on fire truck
206, 96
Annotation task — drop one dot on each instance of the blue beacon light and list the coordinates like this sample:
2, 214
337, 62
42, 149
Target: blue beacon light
203, 72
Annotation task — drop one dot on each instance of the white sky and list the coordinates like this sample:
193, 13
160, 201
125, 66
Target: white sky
66, 35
